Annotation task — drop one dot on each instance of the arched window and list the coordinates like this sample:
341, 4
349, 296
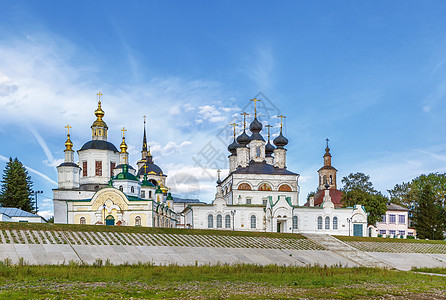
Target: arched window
228, 221
253, 221
132, 189
138, 221
331, 179
153, 181
295, 224
325, 179
327, 222
319, 222
258, 152
285, 188
210, 221
143, 194
265, 187
219, 221
82, 220
244, 187
335, 223
120, 188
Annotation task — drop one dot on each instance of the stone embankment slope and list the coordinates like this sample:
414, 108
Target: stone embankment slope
42, 246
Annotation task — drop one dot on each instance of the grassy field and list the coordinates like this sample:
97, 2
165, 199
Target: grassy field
136, 229
206, 282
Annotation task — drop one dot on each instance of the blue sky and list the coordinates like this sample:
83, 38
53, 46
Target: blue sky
369, 75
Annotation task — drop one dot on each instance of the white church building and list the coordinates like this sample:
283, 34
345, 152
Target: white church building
261, 194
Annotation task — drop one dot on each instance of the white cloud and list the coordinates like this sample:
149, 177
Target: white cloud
46, 214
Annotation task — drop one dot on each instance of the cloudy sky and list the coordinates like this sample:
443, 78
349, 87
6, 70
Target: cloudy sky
369, 75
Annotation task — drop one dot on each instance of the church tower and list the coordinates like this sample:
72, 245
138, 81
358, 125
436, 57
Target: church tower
280, 152
327, 174
99, 128
257, 143
68, 172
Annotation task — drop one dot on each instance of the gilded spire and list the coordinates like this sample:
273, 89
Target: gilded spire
255, 106
144, 139
99, 112
244, 120
99, 128
68, 143
233, 125
123, 145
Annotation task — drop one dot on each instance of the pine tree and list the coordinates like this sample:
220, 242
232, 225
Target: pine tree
16, 190
429, 214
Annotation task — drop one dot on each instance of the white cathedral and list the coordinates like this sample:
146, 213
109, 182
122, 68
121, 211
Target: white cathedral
258, 194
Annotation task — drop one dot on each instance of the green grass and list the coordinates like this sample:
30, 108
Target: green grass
430, 270
386, 240
137, 229
210, 282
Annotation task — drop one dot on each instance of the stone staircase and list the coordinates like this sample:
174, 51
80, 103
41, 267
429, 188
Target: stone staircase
333, 244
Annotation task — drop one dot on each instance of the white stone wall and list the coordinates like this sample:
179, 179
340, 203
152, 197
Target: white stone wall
93, 155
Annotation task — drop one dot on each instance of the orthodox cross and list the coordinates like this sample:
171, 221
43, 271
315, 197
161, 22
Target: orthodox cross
255, 106
244, 120
218, 172
123, 131
327, 141
233, 125
145, 169
68, 128
281, 121
269, 126
99, 96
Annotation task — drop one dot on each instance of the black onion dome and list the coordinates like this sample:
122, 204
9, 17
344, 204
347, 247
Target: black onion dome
255, 126
99, 145
280, 141
243, 139
269, 149
233, 147
150, 168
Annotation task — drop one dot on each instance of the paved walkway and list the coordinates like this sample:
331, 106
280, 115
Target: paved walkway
359, 257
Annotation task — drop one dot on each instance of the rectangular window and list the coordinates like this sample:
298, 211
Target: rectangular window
401, 232
84, 169
410, 233
150, 194
112, 166
392, 232
392, 219
384, 219
98, 168
402, 219
265, 202
143, 194
258, 152
248, 200
382, 231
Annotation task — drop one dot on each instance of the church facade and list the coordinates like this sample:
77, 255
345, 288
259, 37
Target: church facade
103, 188
261, 194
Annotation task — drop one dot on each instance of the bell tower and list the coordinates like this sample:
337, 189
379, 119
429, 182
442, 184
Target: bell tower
99, 128
327, 174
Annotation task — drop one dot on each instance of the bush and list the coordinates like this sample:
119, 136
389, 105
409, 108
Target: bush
380, 235
410, 237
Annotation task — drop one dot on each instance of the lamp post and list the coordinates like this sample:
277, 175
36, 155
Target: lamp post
103, 206
349, 220
232, 214
35, 193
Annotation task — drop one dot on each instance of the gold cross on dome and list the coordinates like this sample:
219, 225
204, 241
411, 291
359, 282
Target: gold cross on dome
255, 106
268, 126
233, 125
68, 128
99, 96
281, 120
123, 131
244, 119
145, 169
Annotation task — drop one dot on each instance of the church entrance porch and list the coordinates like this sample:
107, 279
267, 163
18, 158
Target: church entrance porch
281, 225
110, 220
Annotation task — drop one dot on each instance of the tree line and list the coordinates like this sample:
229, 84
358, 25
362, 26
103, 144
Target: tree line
423, 195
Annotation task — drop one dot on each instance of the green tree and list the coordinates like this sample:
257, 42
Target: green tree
16, 190
429, 214
358, 189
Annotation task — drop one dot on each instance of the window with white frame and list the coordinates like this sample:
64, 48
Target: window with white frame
248, 200
335, 223
219, 221
392, 232
228, 221
143, 194
319, 222
295, 222
401, 219
392, 219
82, 220
138, 221
253, 221
327, 223
410, 233
384, 219
382, 231
401, 232
210, 221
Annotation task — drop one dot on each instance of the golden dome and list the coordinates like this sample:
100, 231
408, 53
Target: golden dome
123, 146
99, 112
68, 144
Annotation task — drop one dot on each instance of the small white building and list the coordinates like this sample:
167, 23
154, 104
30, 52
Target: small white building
10, 214
395, 223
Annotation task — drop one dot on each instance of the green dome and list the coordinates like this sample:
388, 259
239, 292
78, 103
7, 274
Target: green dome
158, 190
125, 175
146, 182
169, 196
